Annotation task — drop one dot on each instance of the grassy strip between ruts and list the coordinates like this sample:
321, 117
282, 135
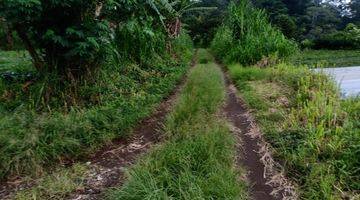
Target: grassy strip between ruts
313, 131
197, 160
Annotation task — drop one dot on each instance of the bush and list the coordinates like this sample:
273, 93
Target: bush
137, 40
9, 40
286, 24
247, 36
307, 44
64, 38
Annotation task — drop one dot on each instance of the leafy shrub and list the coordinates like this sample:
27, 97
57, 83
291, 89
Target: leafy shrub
64, 38
286, 24
247, 36
9, 40
137, 40
307, 44
223, 40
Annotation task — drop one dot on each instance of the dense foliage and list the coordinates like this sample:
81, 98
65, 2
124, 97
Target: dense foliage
69, 44
312, 17
247, 36
62, 37
319, 21
123, 94
9, 40
98, 68
203, 25
349, 38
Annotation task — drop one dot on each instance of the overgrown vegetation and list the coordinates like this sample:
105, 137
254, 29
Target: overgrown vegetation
30, 140
71, 43
314, 133
14, 61
56, 185
122, 69
349, 38
197, 160
9, 40
94, 68
327, 58
66, 44
247, 37
312, 19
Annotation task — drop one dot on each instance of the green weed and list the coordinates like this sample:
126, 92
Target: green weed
197, 160
247, 37
55, 186
328, 58
311, 129
123, 94
15, 61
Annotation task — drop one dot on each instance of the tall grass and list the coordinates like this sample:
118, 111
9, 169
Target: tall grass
313, 131
15, 61
124, 93
197, 160
247, 36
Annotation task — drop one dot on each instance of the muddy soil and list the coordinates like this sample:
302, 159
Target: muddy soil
264, 175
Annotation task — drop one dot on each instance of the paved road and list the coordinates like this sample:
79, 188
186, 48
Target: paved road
348, 78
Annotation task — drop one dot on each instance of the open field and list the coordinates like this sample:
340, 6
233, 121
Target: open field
327, 58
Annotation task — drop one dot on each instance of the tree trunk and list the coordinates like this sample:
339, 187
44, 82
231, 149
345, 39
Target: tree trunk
38, 63
9, 38
174, 28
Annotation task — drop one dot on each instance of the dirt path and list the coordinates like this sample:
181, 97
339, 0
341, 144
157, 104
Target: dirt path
266, 183
107, 166
250, 159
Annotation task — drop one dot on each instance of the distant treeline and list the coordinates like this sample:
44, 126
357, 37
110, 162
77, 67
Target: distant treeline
330, 24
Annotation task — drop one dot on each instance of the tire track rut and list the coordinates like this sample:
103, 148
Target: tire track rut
266, 181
